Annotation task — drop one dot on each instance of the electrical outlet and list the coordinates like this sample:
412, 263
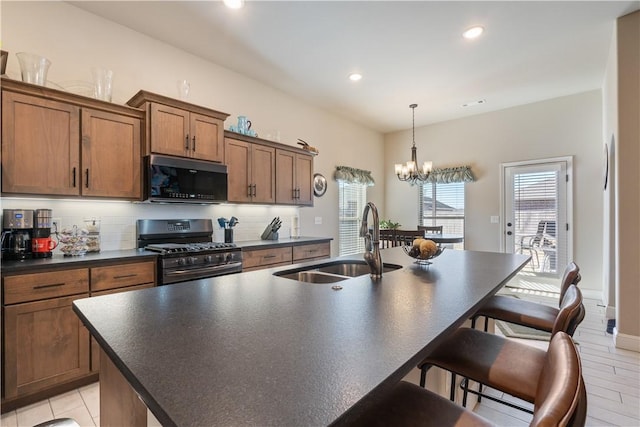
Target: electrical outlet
495, 219
318, 220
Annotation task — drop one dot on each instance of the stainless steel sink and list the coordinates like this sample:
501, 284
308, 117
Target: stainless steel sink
313, 277
332, 272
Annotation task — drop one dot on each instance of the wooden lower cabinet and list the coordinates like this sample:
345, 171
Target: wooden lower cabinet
257, 259
45, 348
44, 342
311, 252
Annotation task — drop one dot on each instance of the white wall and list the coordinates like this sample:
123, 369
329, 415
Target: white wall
75, 41
566, 126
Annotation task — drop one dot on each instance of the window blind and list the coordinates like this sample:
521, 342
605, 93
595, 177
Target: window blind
353, 197
443, 204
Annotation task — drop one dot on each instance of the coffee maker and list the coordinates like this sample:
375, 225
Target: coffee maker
41, 243
17, 225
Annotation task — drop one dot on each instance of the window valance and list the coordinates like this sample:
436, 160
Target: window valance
450, 175
353, 175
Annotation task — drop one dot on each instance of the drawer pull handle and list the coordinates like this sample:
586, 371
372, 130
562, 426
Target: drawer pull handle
124, 276
53, 285
269, 256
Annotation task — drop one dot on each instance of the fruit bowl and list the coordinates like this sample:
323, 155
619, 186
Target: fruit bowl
415, 254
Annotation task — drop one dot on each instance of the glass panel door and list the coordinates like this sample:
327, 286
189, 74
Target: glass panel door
535, 213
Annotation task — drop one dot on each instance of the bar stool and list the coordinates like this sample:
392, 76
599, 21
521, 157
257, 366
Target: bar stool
59, 422
527, 313
560, 398
498, 362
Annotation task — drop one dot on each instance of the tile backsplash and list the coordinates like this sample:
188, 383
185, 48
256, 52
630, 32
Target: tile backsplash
118, 219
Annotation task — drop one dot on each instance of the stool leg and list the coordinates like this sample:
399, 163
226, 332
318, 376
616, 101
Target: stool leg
452, 395
479, 392
486, 324
473, 322
423, 375
465, 389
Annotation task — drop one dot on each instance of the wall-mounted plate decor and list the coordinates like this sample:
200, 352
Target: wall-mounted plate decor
319, 185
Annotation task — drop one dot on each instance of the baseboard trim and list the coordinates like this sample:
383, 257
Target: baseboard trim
626, 342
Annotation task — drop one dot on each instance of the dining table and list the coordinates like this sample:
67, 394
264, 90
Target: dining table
260, 348
444, 238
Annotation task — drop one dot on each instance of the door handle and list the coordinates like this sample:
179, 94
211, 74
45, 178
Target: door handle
86, 176
508, 224
509, 233
186, 142
194, 143
74, 176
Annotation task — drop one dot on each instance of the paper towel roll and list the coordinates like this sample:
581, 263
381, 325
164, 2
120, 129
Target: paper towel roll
295, 227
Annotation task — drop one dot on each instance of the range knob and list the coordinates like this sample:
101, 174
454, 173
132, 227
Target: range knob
182, 261
208, 259
229, 257
191, 260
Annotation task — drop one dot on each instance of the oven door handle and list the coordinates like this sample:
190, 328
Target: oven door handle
210, 268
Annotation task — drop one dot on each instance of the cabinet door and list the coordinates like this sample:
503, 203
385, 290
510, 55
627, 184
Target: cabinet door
263, 166
40, 146
111, 155
304, 179
285, 177
45, 344
169, 130
238, 161
207, 138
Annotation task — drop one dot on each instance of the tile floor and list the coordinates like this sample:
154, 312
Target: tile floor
612, 377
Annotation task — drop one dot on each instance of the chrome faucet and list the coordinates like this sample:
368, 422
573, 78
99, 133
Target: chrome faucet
372, 242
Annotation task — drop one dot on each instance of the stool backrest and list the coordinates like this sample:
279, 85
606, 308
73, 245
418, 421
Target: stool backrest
571, 312
571, 276
560, 396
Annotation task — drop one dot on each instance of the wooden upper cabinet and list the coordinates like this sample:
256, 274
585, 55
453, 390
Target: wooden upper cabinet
169, 130
40, 150
251, 169
294, 176
177, 128
44, 132
111, 155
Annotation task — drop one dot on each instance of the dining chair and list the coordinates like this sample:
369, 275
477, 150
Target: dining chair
559, 395
387, 238
496, 361
528, 313
434, 229
406, 237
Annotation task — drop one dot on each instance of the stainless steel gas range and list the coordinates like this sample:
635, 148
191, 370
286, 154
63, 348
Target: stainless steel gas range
186, 249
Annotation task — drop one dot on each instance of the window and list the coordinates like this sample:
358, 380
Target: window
353, 198
443, 204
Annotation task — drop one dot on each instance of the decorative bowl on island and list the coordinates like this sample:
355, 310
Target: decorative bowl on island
423, 252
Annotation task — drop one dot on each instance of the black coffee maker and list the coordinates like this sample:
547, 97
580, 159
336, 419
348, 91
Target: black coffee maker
17, 226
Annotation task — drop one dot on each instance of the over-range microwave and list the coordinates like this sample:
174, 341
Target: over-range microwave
179, 180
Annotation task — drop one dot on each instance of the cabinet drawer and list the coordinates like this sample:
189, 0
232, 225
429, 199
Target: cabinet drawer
317, 250
265, 257
38, 286
119, 276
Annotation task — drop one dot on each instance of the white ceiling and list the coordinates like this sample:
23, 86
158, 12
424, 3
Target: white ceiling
409, 52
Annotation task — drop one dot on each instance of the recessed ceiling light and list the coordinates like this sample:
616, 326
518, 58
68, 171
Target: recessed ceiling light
473, 32
234, 4
474, 103
354, 77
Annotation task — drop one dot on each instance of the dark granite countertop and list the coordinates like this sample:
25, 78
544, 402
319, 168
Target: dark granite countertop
257, 349
88, 260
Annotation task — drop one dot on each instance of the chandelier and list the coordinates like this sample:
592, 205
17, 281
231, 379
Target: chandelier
409, 171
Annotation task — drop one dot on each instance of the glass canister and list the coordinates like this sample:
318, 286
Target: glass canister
92, 225
34, 68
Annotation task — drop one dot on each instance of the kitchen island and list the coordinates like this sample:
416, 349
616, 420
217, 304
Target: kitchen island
257, 349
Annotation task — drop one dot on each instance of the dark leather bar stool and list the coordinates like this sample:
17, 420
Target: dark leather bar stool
560, 397
498, 362
527, 313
